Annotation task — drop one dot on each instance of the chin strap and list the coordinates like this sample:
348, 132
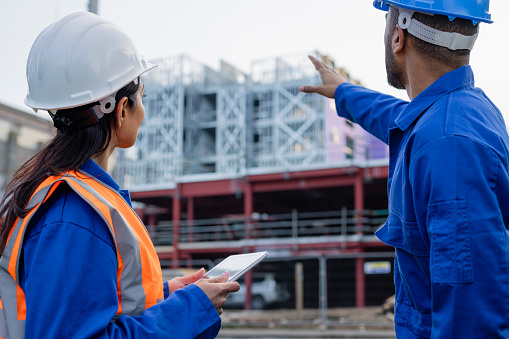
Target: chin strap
450, 40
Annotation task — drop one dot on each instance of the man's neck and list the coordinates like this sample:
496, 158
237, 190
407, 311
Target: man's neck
421, 74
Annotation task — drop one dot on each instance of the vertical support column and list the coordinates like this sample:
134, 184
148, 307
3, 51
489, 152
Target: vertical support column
9, 165
93, 6
152, 220
344, 227
176, 216
248, 208
359, 198
299, 290
323, 291
140, 212
248, 211
360, 284
295, 229
190, 219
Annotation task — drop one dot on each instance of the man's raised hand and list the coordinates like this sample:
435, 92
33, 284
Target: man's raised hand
330, 80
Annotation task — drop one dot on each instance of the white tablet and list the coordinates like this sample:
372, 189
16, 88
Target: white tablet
237, 265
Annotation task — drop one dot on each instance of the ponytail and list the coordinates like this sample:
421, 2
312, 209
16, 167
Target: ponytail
67, 151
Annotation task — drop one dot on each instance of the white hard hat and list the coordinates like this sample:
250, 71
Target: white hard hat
80, 59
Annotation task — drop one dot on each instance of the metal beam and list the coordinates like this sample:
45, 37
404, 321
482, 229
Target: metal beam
346, 171
301, 184
93, 6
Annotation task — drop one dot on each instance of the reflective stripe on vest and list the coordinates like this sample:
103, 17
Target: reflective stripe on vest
139, 277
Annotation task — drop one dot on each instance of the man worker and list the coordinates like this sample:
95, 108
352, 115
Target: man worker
448, 182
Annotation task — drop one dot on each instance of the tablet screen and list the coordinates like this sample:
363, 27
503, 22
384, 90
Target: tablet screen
237, 265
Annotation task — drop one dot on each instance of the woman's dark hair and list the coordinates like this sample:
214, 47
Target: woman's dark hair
67, 151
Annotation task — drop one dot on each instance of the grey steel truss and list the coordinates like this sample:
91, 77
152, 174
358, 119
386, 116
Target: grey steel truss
203, 124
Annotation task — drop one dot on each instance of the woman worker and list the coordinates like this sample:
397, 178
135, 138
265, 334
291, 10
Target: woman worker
76, 260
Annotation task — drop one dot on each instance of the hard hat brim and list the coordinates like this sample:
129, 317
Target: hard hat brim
384, 6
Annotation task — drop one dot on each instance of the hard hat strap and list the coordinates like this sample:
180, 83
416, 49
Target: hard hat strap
79, 120
450, 40
85, 117
106, 106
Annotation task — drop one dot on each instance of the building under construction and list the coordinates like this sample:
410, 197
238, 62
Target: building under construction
228, 162
21, 135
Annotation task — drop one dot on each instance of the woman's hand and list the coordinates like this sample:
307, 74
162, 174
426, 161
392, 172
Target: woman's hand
217, 289
179, 282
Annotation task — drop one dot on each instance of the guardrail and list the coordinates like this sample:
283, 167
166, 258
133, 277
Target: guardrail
343, 223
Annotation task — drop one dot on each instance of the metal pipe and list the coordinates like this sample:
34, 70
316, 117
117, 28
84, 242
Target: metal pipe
344, 223
295, 228
323, 291
93, 6
299, 289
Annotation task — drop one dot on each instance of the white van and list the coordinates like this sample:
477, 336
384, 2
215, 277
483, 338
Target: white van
266, 290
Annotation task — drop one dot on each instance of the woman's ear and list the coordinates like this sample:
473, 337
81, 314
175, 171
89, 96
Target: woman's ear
121, 111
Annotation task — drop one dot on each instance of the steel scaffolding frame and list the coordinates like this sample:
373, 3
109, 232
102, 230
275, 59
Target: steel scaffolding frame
287, 127
231, 133
224, 124
156, 157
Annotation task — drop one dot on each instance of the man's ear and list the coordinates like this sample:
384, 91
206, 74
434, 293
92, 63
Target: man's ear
121, 111
398, 40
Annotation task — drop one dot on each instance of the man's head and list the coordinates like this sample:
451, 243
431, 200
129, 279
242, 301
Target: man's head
442, 34
395, 76
431, 53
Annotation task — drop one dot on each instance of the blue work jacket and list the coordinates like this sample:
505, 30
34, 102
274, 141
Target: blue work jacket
448, 190
69, 276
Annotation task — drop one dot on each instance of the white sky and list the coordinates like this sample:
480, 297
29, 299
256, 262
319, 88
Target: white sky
241, 31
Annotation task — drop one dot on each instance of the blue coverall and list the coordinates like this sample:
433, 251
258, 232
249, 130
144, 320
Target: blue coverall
70, 279
448, 190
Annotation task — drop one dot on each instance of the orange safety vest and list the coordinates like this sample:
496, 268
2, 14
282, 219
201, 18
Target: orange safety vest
139, 277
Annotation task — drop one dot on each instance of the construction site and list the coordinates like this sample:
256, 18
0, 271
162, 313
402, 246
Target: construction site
229, 162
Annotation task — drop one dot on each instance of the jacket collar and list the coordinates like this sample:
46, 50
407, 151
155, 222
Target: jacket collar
95, 171
447, 83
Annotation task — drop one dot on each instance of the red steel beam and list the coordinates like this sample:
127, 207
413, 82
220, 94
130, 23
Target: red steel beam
304, 174
381, 172
248, 211
190, 218
360, 283
209, 188
360, 279
298, 184
152, 194
331, 177
270, 183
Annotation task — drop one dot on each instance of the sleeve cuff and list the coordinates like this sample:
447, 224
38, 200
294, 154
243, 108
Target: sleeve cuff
166, 289
340, 88
202, 298
199, 295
